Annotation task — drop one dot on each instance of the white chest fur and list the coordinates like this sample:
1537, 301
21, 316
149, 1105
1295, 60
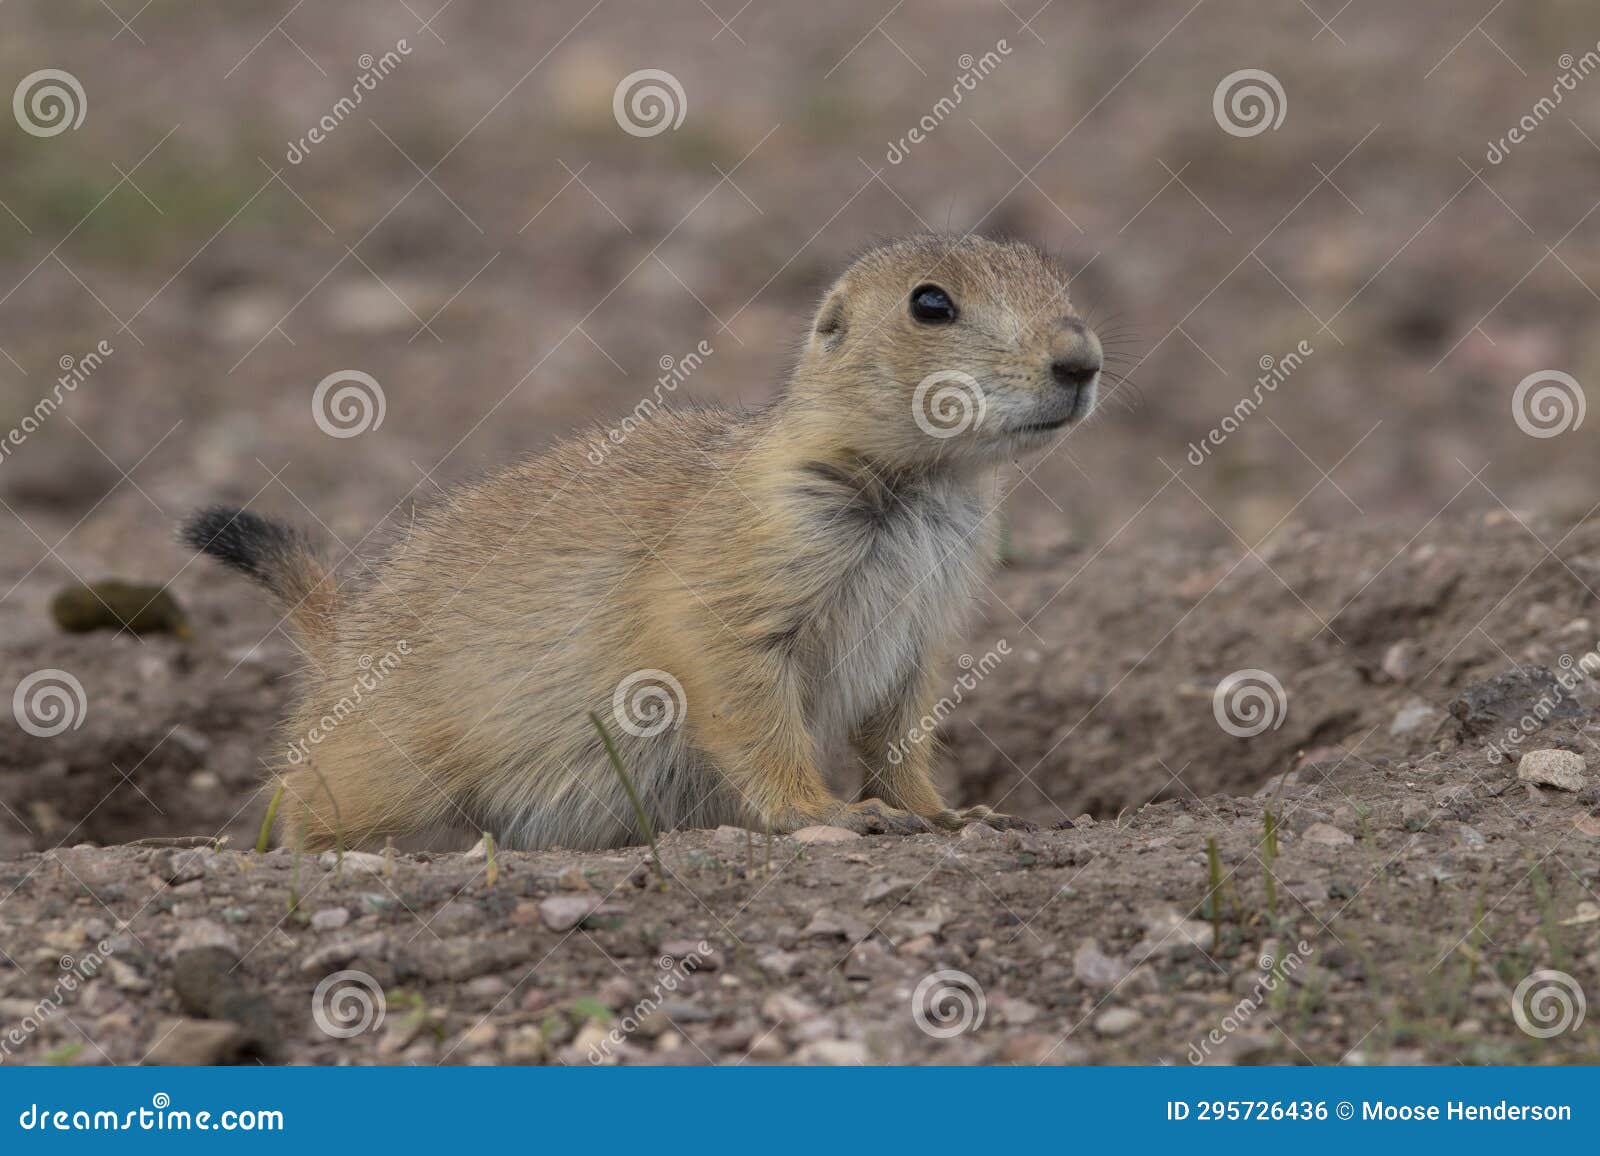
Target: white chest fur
920, 566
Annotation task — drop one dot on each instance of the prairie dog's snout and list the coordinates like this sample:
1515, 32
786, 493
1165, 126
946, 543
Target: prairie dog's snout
1075, 363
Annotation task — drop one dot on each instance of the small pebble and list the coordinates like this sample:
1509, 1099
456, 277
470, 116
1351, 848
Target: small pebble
330, 919
824, 835
1327, 835
1116, 1021
564, 912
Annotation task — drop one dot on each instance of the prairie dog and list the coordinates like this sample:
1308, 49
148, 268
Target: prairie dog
732, 593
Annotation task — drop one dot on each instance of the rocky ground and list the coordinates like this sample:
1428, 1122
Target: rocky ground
1406, 888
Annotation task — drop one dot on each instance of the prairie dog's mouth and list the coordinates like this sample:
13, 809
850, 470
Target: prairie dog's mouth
1078, 402
1043, 426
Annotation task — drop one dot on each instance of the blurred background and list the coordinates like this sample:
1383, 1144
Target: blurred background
509, 252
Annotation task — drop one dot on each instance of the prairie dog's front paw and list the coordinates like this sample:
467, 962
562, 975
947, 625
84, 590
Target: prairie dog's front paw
868, 817
955, 820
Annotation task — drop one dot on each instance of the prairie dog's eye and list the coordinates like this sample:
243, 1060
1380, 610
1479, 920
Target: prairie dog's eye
932, 305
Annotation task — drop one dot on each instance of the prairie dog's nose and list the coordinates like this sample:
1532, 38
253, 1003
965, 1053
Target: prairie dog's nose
1075, 355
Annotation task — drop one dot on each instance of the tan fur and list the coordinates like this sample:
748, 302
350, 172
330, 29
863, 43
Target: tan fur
800, 570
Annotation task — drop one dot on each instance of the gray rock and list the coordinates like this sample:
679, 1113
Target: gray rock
1400, 660
824, 835
701, 952
779, 964
1116, 1021
1031, 1049
196, 1043
210, 985
1416, 815
1562, 770
1094, 968
330, 919
1168, 932
1327, 835
830, 924
834, 1053
564, 912
355, 862
782, 1007
185, 866
890, 891
1490, 708
200, 933
374, 945
456, 918
1413, 717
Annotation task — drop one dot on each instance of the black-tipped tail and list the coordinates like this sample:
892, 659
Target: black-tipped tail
279, 557
247, 542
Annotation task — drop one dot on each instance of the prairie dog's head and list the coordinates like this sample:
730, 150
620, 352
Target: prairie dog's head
932, 349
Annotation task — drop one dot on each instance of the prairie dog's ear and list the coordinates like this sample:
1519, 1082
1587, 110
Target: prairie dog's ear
828, 332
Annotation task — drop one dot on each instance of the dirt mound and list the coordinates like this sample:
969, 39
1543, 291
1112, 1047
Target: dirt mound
1108, 699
